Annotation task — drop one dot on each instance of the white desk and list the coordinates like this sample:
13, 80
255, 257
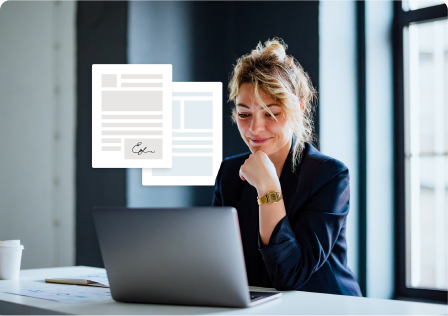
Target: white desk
291, 302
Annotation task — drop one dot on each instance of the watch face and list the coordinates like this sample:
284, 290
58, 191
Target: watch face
272, 197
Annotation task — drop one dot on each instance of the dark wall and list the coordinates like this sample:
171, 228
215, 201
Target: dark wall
101, 39
223, 31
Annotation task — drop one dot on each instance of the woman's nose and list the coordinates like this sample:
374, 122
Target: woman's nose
256, 125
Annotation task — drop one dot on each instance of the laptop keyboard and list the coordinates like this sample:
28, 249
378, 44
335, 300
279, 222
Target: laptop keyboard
255, 297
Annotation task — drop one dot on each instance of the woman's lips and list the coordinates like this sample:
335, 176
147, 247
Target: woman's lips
259, 140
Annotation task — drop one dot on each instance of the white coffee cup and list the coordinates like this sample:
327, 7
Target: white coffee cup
10, 258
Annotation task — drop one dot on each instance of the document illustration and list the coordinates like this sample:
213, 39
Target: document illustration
197, 136
67, 293
131, 116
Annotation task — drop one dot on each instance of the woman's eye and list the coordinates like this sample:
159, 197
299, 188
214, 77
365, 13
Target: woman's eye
243, 115
275, 114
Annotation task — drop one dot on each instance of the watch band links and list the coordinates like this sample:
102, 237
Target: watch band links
271, 197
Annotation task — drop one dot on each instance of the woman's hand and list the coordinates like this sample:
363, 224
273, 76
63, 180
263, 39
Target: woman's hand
260, 172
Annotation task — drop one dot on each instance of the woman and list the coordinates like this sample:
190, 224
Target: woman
292, 201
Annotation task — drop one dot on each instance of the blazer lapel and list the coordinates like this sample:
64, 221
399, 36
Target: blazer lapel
304, 173
288, 182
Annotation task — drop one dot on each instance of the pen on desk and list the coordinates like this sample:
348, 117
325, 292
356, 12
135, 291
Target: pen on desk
71, 281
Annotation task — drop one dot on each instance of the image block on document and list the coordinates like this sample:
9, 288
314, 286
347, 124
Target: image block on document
132, 116
197, 136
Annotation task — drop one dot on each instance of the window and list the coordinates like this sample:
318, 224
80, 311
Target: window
421, 140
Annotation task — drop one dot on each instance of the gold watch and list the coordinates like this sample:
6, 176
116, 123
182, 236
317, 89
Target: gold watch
271, 197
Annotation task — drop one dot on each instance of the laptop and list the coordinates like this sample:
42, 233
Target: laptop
185, 256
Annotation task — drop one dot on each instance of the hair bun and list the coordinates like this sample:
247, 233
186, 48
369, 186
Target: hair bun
272, 50
275, 49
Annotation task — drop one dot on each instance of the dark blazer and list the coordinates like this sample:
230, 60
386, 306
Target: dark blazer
307, 250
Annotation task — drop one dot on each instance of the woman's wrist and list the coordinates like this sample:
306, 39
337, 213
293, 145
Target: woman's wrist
267, 186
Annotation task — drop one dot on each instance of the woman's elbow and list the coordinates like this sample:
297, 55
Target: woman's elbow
284, 287
286, 282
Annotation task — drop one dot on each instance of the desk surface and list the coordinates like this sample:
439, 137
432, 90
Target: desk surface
291, 302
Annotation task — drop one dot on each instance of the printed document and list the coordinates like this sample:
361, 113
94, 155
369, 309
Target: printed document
66, 293
131, 116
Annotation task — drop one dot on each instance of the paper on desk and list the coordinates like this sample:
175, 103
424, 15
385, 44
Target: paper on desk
66, 293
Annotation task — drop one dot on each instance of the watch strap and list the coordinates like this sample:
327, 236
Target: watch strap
271, 197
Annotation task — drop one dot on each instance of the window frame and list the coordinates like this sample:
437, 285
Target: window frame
401, 19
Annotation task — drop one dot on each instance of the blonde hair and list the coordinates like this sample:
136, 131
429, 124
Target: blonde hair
280, 76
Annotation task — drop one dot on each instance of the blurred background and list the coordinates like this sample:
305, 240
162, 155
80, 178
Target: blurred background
380, 69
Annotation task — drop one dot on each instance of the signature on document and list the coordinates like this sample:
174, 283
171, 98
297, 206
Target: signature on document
141, 151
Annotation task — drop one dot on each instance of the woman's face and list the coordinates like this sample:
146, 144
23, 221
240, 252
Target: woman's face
257, 127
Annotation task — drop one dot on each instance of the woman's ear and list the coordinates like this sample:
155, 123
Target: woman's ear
302, 105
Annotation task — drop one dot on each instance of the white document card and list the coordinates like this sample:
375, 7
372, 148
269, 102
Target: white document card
131, 116
197, 136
